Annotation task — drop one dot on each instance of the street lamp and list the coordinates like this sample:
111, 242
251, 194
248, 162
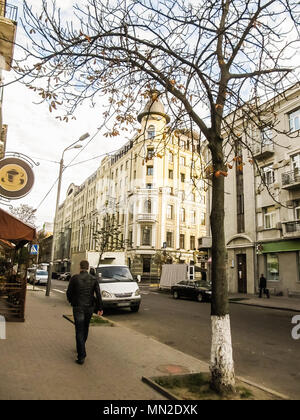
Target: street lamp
61, 165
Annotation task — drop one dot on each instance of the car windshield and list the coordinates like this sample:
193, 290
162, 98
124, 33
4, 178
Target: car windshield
115, 273
42, 273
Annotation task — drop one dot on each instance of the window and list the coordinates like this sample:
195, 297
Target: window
193, 217
149, 170
182, 177
297, 213
150, 154
182, 241
169, 240
171, 174
266, 136
149, 186
169, 190
268, 175
272, 267
182, 161
146, 236
134, 175
148, 206
182, 215
192, 242
171, 157
169, 212
294, 120
296, 163
151, 132
269, 217
203, 219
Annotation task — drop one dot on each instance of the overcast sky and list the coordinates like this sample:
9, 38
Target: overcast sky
34, 131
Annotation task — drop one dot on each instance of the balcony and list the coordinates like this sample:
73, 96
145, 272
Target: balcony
291, 180
261, 151
146, 218
292, 229
8, 26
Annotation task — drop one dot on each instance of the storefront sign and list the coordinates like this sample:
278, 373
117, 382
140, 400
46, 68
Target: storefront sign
16, 178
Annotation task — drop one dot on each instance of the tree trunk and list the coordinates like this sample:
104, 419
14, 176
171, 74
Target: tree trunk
221, 365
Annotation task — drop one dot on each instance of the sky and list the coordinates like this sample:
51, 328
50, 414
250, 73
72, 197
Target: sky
35, 132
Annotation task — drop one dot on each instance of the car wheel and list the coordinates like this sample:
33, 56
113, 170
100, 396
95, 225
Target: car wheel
176, 295
200, 297
135, 308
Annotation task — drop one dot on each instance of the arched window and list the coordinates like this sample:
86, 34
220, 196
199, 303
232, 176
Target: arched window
151, 132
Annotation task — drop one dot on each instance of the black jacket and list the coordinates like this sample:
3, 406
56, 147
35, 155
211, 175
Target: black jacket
262, 282
81, 291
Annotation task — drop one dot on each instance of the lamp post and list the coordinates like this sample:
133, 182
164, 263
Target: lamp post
61, 164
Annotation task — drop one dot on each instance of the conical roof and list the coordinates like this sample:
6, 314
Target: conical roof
153, 107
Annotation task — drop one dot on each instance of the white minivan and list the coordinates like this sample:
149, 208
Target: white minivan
117, 286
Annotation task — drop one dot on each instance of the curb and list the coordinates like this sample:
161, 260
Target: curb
265, 306
108, 322
166, 393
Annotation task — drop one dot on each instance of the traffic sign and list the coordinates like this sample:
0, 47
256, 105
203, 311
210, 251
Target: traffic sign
34, 250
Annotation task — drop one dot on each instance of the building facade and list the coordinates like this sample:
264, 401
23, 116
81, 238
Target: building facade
262, 201
150, 193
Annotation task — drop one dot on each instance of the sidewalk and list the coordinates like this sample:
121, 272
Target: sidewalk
38, 358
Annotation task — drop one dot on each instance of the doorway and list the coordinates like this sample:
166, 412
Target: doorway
242, 273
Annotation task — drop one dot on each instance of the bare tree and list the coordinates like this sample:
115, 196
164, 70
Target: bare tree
211, 60
25, 213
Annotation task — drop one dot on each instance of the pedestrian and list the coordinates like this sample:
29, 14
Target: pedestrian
263, 287
81, 294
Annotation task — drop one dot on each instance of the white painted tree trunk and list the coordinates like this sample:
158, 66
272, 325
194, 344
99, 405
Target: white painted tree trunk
221, 363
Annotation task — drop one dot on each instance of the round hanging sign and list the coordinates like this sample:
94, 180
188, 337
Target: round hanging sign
16, 178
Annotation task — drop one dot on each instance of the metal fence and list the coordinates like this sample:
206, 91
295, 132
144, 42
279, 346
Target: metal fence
8, 10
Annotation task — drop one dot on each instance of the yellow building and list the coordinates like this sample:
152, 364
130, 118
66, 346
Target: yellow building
152, 191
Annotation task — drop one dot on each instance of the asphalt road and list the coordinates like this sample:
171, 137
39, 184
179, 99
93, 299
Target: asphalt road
264, 350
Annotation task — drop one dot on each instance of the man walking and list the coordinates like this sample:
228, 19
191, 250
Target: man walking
80, 294
263, 287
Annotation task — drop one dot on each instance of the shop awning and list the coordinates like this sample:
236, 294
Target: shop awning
14, 230
281, 246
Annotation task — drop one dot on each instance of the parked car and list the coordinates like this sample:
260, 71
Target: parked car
199, 290
64, 276
39, 277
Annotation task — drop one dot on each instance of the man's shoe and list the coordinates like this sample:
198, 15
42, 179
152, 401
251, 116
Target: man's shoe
80, 361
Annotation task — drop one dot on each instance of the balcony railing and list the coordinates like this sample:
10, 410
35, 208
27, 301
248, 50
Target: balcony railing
291, 180
8, 11
261, 151
292, 227
146, 217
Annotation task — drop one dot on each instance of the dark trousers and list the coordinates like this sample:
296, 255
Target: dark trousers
82, 317
265, 291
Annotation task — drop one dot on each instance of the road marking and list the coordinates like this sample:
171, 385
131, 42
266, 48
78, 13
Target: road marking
60, 291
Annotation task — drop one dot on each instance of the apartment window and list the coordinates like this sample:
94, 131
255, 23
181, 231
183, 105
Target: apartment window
294, 120
182, 241
182, 177
146, 235
151, 132
169, 190
150, 170
182, 215
182, 161
297, 213
134, 175
268, 175
171, 174
169, 212
171, 157
202, 219
192, 242
148, 206
296, 163
272, 264
149, 186
193, 217
266, 136
169, 240
150, 154
269, 217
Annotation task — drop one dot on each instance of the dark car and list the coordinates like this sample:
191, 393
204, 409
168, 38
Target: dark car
199, 290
